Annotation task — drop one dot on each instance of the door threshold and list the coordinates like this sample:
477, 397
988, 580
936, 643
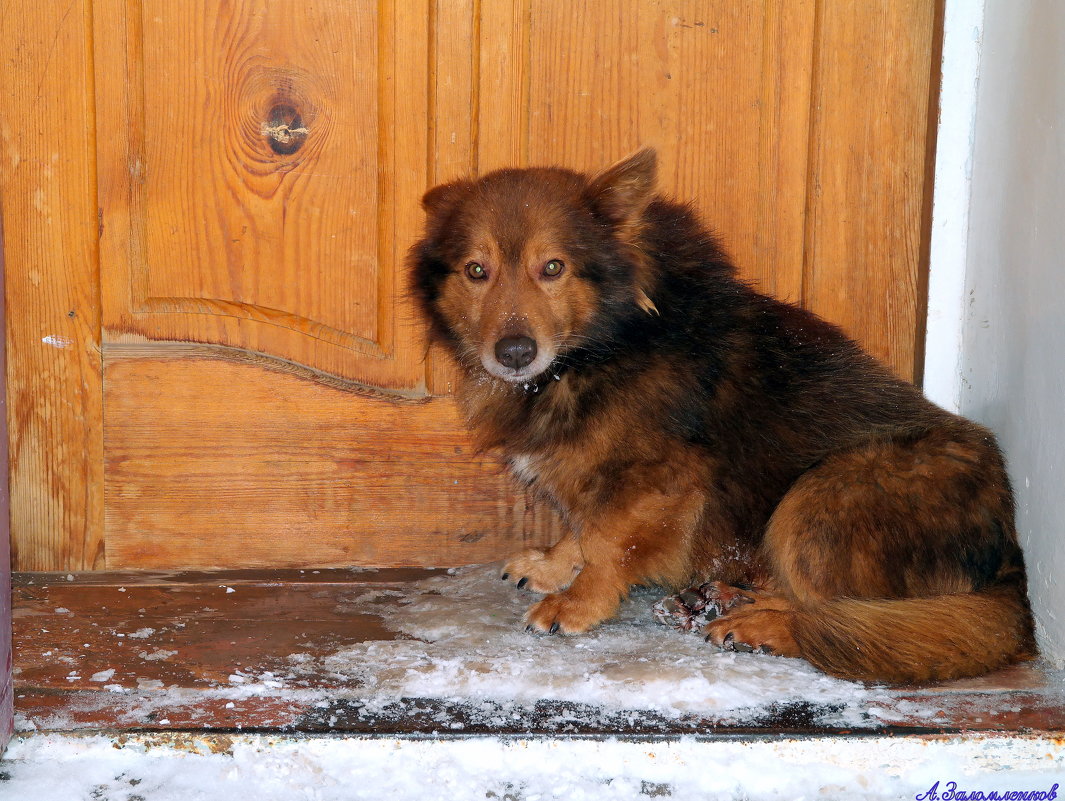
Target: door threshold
412, 653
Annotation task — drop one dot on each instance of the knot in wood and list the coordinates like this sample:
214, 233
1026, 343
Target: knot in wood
284, 129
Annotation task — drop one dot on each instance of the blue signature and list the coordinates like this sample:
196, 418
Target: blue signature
952, 793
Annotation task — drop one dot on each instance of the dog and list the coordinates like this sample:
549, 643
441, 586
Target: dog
688, 427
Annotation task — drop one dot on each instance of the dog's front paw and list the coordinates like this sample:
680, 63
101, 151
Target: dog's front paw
566, 613
534, 569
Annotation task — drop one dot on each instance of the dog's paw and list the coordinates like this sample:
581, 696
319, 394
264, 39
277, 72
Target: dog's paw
534, 569
562, 612
766, 631
693, 608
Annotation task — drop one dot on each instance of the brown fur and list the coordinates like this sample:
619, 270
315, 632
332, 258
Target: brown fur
687, 426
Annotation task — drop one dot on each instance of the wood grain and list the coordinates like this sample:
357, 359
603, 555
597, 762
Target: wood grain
720, 88
247, 177
212, 462
870, 143
7, 693
263, 176
454, 68
47, 190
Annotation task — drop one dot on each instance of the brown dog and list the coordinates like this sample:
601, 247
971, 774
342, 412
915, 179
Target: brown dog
688, 427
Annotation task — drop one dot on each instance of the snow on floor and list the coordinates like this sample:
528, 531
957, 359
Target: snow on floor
69, 768
470, 643
467, 644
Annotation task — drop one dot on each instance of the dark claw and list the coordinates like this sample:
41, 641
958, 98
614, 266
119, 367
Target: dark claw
554, 628
523, 582
729, 643
529, 627
743, 647
505, 576
765, 649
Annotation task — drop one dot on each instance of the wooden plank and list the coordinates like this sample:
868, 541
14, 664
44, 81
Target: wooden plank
720, 88
261, 192
7, 694
212, 462
454, 60
871, 143
48, 196
502, 88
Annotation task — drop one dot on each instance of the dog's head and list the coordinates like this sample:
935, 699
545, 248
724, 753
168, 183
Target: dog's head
524, 266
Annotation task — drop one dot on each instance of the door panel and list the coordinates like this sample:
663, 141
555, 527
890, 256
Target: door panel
216, 461
250, 191
720, 88
213, 356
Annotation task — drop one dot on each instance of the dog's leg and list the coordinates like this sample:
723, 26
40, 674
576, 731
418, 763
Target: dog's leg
647, 540
594, 596
899, 564
763, 623
546, 570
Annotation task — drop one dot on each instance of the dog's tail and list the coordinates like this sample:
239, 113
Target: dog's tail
918, 640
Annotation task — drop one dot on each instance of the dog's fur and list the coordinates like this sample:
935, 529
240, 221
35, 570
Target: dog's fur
688, 427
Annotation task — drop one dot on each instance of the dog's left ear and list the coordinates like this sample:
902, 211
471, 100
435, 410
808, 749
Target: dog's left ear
621, 192
440, 199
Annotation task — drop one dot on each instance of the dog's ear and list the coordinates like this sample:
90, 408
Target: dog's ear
622, 191
440, 199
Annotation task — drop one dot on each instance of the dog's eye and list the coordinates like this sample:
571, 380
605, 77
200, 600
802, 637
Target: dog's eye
475, 271
554, 268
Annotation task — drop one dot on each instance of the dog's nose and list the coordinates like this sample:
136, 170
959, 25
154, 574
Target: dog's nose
515, 352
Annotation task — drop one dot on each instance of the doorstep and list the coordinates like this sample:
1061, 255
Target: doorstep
414, 653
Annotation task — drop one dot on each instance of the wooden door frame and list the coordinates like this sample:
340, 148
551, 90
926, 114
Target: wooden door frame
7, 680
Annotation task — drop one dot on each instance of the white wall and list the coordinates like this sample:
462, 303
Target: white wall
1012, 364
962, 40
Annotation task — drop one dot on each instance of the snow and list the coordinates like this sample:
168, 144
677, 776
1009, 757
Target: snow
60, 768
469, 643
462, 641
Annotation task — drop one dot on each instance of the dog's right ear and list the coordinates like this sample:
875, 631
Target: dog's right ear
622, 191
441, 199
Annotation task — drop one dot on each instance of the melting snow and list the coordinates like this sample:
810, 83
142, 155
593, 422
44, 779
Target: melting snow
462, 641
469, 643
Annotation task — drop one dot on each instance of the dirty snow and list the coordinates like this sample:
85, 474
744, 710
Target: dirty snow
469, 643
462, 641
62, 768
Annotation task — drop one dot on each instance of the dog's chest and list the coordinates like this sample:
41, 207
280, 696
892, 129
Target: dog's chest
555, 479
526, 467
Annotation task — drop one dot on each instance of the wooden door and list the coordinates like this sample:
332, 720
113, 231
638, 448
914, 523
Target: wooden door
214, 361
